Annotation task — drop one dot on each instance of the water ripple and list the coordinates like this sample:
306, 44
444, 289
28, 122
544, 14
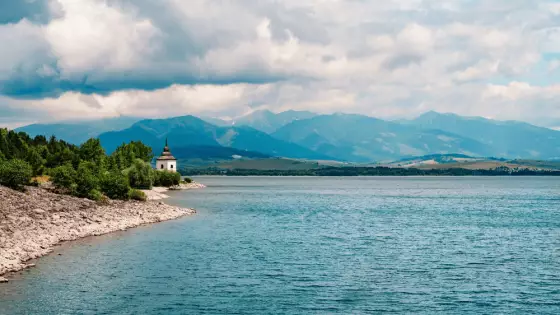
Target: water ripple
319, 246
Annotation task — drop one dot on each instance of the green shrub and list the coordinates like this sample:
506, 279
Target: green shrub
87, 166
140, 175
86, 180
187, 180
136, 194
15, 174
115, 186
95, 195
167, 179
157, 177
64, 176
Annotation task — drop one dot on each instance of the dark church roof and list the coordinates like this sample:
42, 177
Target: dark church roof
166, 155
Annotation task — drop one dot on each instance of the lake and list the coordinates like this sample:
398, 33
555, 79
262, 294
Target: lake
270, 245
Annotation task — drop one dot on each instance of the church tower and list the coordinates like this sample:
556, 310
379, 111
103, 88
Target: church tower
166, 162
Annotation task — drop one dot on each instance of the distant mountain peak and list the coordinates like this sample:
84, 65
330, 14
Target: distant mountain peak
268, 121
433, 113
291, 111
262, 111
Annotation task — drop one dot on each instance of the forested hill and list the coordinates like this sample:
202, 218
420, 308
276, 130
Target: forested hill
85, 171
43, 154
39, 151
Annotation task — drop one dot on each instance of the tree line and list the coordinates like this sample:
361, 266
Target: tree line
84, 171
371, 171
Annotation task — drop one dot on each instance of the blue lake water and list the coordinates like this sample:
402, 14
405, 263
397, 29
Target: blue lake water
318, 246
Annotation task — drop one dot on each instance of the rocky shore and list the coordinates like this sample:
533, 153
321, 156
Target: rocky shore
31, 223
158, 193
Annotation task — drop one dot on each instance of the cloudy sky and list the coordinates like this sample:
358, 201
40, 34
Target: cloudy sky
86, 59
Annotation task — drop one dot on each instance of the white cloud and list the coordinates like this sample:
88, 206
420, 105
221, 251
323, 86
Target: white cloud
174, 100
23, 46
506, 102
92, 35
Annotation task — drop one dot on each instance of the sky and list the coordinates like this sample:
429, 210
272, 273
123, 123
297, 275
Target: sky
392, 59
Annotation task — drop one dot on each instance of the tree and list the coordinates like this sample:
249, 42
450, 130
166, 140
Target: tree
111, 164
126, 154
86, 180
36, 161
92, 151
140, 175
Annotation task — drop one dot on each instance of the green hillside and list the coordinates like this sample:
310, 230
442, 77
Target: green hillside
363, 139
192, 131
507, 139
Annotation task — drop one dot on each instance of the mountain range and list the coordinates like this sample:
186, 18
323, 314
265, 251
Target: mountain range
339, 137
505, 138
187, 131
364, 139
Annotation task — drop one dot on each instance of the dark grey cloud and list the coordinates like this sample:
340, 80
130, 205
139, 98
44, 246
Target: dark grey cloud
188, 31
408, 56
26, 86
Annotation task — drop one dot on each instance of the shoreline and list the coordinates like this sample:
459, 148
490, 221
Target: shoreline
158, 193
34, 222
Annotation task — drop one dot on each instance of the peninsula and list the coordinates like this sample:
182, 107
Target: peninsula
52, 191
33, 222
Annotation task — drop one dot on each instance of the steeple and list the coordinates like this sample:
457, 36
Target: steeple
166, 155
166, 148
166, 162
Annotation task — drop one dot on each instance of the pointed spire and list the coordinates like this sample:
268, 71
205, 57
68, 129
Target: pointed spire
166, 154
166, 148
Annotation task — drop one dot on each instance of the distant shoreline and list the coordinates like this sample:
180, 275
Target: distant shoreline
374, 176
370, 171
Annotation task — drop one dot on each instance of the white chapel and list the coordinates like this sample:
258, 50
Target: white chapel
166, 162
